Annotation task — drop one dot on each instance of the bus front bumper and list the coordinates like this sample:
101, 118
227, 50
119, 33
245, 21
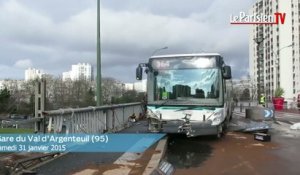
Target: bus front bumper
191, 129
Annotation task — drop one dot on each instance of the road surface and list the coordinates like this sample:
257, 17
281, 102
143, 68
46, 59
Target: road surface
238, 153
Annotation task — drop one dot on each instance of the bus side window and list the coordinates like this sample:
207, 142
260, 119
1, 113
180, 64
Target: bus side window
224, 85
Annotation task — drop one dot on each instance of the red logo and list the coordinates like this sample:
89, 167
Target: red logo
279, 16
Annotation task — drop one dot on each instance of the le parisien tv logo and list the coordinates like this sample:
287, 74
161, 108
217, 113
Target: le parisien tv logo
243, 18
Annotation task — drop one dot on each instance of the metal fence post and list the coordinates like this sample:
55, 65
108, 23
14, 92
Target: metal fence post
241, 107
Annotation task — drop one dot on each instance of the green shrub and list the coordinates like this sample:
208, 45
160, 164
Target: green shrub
16, 131
279, 92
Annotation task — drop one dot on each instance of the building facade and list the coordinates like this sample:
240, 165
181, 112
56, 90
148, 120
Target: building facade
140, 86
79, 71
274, 49
128, 86
32, 73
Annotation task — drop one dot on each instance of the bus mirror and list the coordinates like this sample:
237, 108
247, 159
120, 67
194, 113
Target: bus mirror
139, 73
227, 72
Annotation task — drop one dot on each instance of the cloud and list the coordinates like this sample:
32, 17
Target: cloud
26, 63
129, 33
8, 72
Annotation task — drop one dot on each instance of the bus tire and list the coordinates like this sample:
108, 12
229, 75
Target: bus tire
230, 117
220, 131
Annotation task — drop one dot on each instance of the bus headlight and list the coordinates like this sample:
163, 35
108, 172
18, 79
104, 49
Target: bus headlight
217, 118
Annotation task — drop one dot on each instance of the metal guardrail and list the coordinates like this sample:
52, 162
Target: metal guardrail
7, 123
101, 119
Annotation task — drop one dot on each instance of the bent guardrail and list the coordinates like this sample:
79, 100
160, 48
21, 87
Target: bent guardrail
109, 118
101, 119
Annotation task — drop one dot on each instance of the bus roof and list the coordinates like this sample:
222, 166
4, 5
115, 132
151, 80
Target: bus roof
185, 55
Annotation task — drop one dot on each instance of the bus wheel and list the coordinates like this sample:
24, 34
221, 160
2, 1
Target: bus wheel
220, 131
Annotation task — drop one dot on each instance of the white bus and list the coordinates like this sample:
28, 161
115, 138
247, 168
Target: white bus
188, 93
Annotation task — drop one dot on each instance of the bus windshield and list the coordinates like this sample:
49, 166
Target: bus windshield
189, 86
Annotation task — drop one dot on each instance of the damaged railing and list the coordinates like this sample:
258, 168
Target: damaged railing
90, 119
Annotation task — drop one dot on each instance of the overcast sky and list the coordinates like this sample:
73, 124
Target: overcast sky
53, 34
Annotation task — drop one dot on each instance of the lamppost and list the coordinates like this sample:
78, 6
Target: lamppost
99, 88
277, 63
155, 51
260, 65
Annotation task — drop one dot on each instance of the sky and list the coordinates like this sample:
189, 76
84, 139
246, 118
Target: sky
51, 35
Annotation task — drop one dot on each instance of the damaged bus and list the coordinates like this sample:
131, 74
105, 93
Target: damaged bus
188, 93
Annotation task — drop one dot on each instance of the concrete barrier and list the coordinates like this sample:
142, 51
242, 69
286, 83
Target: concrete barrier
260, 113
156, 157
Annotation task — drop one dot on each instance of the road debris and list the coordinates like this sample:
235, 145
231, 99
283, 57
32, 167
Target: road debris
295, 126
262, 137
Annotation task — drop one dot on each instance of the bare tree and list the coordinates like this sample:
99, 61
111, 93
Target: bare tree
111, 88
62, 94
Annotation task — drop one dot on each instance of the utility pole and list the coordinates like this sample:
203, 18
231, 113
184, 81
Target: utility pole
99, 88
260, 66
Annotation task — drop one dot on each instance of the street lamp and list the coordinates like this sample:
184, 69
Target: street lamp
277, 63
155, 51
141, 65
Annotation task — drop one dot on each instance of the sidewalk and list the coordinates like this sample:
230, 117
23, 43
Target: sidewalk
293, 111
269, 105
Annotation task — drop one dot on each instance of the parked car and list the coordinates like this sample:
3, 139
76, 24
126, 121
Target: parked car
18, 117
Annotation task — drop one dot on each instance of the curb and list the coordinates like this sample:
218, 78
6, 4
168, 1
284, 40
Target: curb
156, 157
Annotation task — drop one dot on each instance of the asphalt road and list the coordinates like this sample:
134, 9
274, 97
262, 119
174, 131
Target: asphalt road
238, 153
75, 162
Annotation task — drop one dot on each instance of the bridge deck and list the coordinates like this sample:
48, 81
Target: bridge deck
87, 163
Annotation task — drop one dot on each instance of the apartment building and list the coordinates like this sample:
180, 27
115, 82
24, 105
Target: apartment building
32, 73
274, 49
79, 71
